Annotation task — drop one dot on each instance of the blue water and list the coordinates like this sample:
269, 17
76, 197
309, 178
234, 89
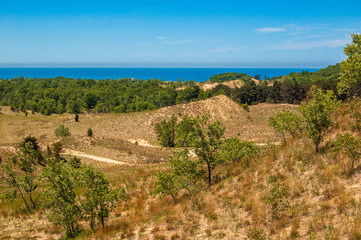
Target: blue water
167, 74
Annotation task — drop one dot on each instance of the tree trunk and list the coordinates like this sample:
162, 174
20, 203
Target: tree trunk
103, 224
209, 174
22, 196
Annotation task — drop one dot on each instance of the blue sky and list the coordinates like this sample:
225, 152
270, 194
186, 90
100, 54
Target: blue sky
176, 33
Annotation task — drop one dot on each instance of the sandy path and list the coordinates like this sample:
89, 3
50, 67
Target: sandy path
96, 158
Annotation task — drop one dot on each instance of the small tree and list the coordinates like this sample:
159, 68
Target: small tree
76, 118
234, 150
167, 184
186, 172
350, 146
60, 196
208, 141
100, 199
90, 132
166, 131
286, 122
20, 174
62, 131
317, 114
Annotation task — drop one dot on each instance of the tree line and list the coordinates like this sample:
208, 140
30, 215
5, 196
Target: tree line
59, 95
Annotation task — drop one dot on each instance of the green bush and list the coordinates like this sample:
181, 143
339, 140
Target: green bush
62, 131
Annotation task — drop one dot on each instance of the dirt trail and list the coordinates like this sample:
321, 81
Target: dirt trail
96, 158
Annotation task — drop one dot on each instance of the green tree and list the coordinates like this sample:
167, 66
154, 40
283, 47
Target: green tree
348, 144
208, 140
351, 67
186, 172
234, 150
185, 132
20, 174
166, 131
62, 131
60, 196
167, 184
317, 114
286, 122
100, 199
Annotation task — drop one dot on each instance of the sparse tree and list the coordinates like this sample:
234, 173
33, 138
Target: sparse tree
166, 131
209, 138
187, 174
234, 150
286, 122
60, 195
167, 184
317, 114
350, 145
20, 174
100, 199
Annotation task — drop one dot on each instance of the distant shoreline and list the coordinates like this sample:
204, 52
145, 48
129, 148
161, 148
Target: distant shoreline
166, 74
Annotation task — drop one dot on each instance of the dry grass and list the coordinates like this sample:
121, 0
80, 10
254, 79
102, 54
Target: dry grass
324, 202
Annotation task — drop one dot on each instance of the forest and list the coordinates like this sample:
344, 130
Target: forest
59, 95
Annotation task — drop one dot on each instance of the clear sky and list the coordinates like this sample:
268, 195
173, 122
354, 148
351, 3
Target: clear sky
181, 33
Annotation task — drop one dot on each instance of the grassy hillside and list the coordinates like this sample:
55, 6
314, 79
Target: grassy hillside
287, 191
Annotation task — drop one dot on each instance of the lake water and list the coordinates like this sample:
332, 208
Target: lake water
167, 74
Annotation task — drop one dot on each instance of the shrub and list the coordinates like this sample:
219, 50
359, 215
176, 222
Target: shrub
350, 146
90, 132
60, 196
167, 184
100, 199
286, 122
234, 150
62, 131
317, 114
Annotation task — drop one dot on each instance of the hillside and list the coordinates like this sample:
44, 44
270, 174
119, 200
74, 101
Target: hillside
287, 192
140, 125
